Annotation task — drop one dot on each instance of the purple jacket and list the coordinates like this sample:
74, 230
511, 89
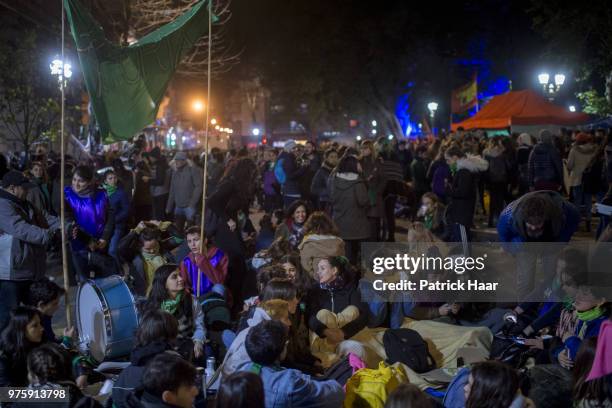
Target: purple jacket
93, 214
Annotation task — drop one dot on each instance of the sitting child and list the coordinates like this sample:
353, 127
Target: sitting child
45, 296
168, 381
210, 265
265, 345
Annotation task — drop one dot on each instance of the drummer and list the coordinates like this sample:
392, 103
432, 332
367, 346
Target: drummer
169, 294
210, 265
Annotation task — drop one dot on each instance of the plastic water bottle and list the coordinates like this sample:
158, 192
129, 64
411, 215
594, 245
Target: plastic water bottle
210, 368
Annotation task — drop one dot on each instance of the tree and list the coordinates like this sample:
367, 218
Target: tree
28, 106
128, 20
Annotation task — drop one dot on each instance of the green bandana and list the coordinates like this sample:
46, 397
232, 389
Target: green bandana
591, 314
568, 303
428, 221
453, 168
110, 190
170, 305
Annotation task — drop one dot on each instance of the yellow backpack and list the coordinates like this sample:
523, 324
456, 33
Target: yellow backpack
369, 388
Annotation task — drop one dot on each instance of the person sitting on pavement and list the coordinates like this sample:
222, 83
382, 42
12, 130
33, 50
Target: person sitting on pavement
210, 265
146, 248
265, 345
168, 381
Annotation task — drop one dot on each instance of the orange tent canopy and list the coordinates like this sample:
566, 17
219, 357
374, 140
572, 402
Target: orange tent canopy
520, 108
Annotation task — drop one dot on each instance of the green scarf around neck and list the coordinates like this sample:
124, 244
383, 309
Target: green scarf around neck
110, 190
170, 305
591, 314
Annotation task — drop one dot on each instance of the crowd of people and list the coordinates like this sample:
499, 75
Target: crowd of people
273, 287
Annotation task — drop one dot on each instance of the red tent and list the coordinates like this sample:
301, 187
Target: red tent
521, 108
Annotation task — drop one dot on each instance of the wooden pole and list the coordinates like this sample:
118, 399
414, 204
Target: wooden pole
62, 177
206, 124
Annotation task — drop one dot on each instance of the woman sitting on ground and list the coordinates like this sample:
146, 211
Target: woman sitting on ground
334, 309
292, 228
169, 294
321, 240
494, 385
23, 334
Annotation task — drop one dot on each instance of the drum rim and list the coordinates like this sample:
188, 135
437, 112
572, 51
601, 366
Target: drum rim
105, 309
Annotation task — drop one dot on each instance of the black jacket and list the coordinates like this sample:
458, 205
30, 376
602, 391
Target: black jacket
319, 186
142, 399
130, 378
462, 193
336, 301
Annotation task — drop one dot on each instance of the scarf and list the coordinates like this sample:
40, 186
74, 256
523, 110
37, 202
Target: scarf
428, 221
150, 263
588, 316
334, 285
171, 305
110, 190
297, 233
453, 168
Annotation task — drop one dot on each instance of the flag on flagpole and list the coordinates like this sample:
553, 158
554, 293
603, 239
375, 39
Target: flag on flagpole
127, 84
465, 97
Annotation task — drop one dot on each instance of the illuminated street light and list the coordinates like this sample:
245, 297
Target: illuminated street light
358, 138
217, 127
572, 108
374, 123
543, 78
63, 71
559, 79
373, 131
213, 121
256, 131
198, 106
390, 137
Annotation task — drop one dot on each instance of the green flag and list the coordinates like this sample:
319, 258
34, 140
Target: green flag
127, 84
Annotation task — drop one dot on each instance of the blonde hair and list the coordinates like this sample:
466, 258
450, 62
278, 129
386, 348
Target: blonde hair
277, 309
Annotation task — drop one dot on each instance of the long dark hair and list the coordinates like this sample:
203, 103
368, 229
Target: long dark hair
345, 269
293, 208
495, 385
302, 281
156, 326
408, 396
242, 389
599, 389
159, 293
13, 341
49, 364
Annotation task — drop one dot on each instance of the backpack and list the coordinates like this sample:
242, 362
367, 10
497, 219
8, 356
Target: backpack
343, 369
217, 319
279, 171
408, 347
369, 388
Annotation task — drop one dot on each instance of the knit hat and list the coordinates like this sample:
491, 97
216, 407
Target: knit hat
583, 137
289, 145
525, 138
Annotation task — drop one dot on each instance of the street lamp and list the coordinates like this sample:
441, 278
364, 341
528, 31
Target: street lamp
433, 107
62, 70
358, 138
549, 87
213, 121
198, 106
374, 123
256, 131
572, 108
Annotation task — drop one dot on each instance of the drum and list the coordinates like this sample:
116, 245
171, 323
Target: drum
107, 318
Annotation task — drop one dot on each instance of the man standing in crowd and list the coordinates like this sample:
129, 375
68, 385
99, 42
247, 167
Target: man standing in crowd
185, 191
159, 182
24, 233
539, 216
288, 173
545, 169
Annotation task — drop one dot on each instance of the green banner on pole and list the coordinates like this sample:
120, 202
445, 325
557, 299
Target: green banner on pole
127, 84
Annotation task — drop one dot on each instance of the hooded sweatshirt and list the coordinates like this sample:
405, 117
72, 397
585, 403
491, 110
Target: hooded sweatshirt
315, 247
236, 354
578, 160
131, 377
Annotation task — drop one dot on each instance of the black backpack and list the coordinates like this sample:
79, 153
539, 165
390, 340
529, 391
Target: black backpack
408, 347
